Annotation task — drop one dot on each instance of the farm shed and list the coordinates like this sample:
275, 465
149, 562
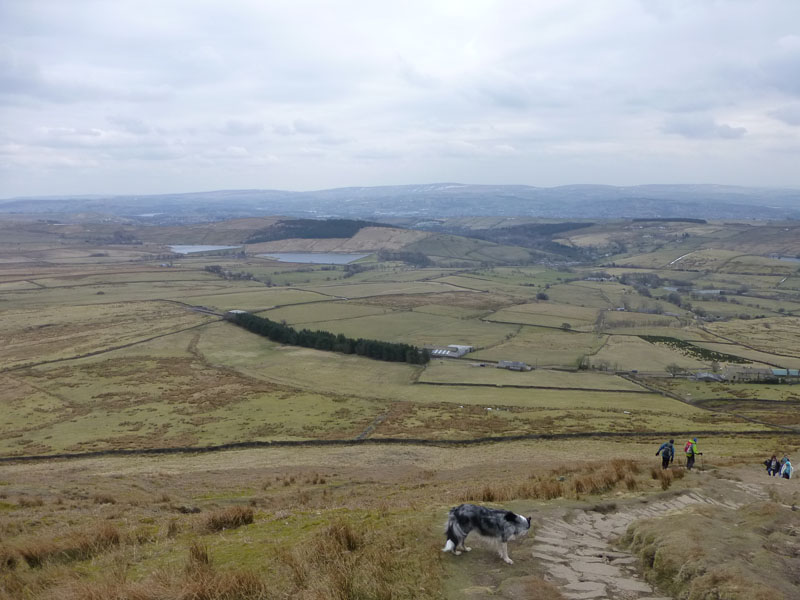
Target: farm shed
513, 365
451, 351
787, 375
706, 376
748, 374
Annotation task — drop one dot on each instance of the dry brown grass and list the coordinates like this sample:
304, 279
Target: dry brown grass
351, 557
339, 564
75, 545
199, 559
203, 585
666, 476
103, 499
25, 502
228, 518
8, 559
589, 480
718, 552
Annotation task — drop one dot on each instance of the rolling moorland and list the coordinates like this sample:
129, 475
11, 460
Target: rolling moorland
428, 201
150, 448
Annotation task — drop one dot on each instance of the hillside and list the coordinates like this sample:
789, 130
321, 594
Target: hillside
433, 201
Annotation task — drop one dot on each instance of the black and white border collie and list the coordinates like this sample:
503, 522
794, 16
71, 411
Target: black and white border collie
498, 526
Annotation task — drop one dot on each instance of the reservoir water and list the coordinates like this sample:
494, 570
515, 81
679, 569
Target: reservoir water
191, 249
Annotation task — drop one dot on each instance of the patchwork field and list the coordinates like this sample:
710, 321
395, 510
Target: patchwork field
469, 372
158, 373
548, 315
631, 353
55, 333
105, 350
544, 347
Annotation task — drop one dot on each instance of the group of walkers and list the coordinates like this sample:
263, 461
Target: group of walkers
667, 452
782, 467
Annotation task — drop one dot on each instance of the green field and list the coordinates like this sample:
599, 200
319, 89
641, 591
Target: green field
469, 372
547, 315
544, 347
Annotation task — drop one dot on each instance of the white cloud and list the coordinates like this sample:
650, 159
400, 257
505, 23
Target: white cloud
789, 114
701, 127
303, 94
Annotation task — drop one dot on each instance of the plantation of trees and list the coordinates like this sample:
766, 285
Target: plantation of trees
325, 340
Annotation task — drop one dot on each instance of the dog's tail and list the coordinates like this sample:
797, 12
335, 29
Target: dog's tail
453, 532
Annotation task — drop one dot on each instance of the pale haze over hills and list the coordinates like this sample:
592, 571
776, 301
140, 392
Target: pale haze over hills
436, 200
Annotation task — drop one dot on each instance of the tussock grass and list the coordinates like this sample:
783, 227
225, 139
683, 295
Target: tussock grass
205, 585
228, 518
588, 480
718, 552
666, 476
199, 559
173, 528
344, 561
104, 499
76, 545
25, 502
8, 559
351, 556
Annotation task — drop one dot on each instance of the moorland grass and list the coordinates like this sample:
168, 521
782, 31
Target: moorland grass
333, 310
464, 371
543, 347
40, 335
698, 554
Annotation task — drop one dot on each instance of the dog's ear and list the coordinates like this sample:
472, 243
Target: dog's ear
510, 516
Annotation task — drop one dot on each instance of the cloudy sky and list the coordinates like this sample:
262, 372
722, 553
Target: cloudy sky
148, 96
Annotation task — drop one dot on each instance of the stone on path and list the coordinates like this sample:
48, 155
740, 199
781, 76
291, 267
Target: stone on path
575, 549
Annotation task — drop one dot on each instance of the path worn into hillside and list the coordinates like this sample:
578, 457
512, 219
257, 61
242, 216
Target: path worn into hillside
573, 550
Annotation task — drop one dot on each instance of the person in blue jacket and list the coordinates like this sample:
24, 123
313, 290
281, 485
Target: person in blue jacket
667, 452
786, 469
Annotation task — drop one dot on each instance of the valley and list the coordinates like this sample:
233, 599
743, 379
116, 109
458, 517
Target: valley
126, 392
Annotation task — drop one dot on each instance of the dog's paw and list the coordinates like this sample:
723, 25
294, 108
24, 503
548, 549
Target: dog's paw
457, 552
508, 560
467, 548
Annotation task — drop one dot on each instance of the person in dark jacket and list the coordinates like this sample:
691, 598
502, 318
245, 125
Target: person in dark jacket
773, 465
667, 452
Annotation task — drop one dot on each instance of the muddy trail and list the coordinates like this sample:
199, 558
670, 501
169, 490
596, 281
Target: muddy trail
571, 552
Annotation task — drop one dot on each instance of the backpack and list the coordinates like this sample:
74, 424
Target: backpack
687, 448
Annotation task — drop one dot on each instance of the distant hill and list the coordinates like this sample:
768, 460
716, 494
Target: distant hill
422, 202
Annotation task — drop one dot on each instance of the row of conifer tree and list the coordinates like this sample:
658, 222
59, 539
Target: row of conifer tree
325, 340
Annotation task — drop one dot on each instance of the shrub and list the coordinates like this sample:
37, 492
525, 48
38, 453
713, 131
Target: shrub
173, 528
199, 559
8, 559
77, 545
24, 502
228, 518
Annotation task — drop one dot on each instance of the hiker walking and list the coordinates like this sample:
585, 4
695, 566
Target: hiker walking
786, 469
690, 449
667, 452
773, 465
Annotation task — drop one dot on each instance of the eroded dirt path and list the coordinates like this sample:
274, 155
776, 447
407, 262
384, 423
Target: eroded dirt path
572, 553
576, 550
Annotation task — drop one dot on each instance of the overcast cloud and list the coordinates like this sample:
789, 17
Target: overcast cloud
141, 96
